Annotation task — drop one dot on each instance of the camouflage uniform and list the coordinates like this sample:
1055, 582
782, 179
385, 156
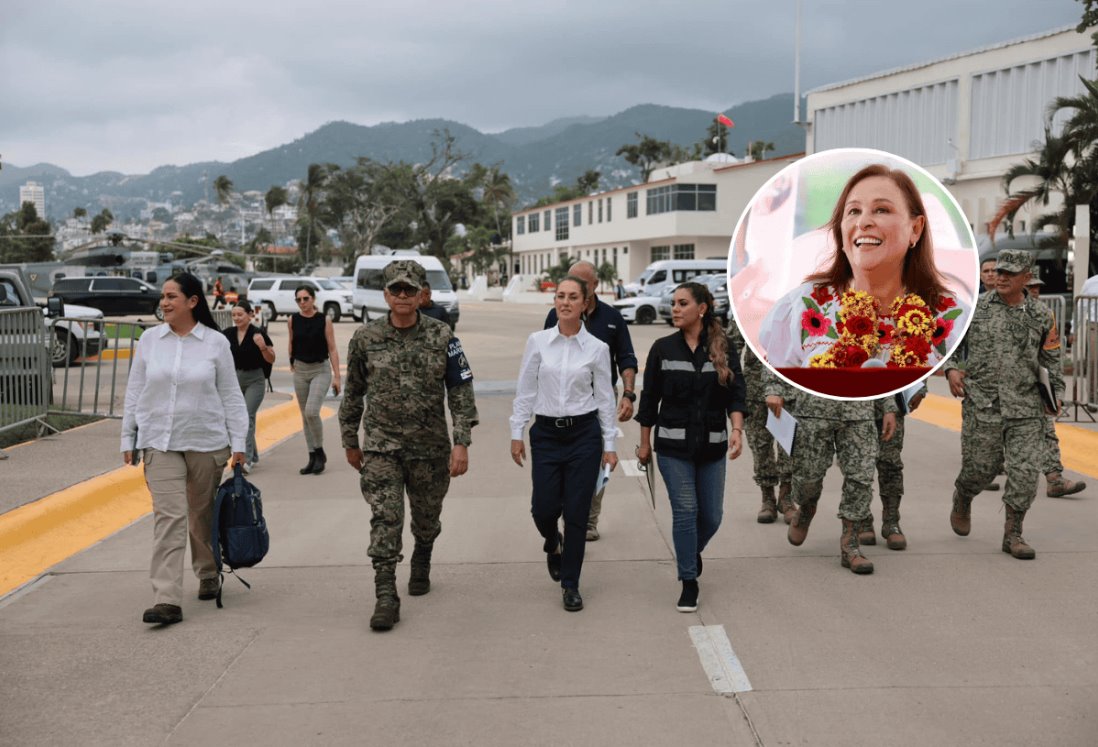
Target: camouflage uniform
409, 373
1003, 418
772, 464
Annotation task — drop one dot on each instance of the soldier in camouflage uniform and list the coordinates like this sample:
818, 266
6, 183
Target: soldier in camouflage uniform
890, 473
1003, 414
401, 370
827, 429
773, 467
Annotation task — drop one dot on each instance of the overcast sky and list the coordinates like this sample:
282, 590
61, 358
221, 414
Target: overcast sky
128, 85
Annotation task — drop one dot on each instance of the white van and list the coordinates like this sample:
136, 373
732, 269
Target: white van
369, 289
659, 275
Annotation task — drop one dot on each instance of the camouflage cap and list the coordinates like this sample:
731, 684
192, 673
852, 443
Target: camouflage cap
1014, 260
1035, 278
404, 271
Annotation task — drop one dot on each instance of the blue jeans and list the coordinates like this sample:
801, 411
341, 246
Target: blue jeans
696, 490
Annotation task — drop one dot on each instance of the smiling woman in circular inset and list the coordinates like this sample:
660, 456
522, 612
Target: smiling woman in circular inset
879, 292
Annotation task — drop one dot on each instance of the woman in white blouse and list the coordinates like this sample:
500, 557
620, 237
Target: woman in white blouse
185, 412
564, 382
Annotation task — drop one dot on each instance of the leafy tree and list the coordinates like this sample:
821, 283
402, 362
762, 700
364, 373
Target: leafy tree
79, 213
24, 237
606, 273
557, 272
101, 221
716, 139
646, 154
758, 149
357, 208
223, 188
499, 195
589, 182
1089, 20
275, 198
162, 215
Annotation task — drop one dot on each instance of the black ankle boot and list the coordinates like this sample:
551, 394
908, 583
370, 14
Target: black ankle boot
321, 460
308, 468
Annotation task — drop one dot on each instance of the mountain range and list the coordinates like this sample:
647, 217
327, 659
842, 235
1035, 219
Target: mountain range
536, 158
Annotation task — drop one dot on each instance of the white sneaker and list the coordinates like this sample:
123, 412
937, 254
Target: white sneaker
247, 469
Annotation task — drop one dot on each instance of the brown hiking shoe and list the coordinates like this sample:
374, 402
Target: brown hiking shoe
1012, 536
864, 528
208, 588
851, 552
162, 614
769, 511
785, 504
890, 523
961, 516
798, 527
1059, 486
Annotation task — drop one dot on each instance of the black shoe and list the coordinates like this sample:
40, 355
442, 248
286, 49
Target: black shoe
573, 602
552, 559
699, 564
321, 460
308, 468
688, 600
208, 588
162, 614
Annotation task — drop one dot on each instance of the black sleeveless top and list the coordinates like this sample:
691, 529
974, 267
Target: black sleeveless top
310, 345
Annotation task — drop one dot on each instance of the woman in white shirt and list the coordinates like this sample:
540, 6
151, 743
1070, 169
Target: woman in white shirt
184, 410
564, 382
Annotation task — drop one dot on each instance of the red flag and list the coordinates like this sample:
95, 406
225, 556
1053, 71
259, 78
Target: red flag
725, 121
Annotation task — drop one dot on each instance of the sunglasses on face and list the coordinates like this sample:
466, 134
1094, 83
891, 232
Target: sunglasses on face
303, 299
403, 289
1008, 273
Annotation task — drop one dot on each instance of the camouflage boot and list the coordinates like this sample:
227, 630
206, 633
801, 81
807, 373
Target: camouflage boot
852, 557
420, 581
802, 517
961, 516
890, 523
769, 511
785, 505
864, 528
387, 610
1059, 486
1012, 536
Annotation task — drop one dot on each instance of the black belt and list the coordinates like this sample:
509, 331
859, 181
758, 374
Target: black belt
565, 422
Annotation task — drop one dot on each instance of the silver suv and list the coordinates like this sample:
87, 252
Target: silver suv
718, 286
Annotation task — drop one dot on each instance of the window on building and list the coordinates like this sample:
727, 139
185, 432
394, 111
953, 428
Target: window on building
683, 251
692, 197
520, 225
631, 205
577, 214
562, 224
615, 255
532, 219
600, 210
548, 220
661, 252
590, 212
607, 209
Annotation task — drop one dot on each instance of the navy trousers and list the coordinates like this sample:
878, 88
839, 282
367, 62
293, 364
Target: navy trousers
565, 465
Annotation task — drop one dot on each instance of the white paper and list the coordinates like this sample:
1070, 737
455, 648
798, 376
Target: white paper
782, 429
602, 479
904, 398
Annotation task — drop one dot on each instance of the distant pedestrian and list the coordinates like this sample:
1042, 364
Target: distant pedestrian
564, 383
218, 293
185, 413
402, 370
987, 274
606, 323
314, 360
429, 308
1002, 415
693, 387
253, 355
619, 289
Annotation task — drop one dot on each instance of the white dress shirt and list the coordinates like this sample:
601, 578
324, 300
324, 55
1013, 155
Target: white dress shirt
565, 376
183, 394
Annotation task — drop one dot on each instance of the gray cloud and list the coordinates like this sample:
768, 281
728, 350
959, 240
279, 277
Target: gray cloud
128, 85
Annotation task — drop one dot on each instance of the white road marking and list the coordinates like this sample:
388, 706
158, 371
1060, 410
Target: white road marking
719, 661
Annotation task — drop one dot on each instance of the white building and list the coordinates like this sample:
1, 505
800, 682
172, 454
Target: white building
34, 193
687, 211
965, 118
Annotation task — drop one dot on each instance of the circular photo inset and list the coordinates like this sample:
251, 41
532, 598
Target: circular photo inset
853, 273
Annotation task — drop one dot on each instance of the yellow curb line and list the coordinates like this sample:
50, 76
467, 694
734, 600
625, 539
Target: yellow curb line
38, 535
1078, 446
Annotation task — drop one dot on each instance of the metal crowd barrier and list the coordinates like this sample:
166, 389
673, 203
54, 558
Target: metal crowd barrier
24, 368
1084, 356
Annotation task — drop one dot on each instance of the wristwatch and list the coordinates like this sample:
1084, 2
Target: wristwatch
630, 395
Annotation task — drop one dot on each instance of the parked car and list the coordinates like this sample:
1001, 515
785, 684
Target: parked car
277, 295
639, 309
114, 296
718, 286
77, 331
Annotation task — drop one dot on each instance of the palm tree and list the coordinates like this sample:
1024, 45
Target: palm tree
1052, 175
758, 149
223, 188
309, 202
499, 193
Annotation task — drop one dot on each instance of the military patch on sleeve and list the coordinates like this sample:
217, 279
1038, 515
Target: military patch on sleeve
457, 365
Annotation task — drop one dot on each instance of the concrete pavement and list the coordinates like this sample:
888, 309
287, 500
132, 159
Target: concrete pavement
949, 642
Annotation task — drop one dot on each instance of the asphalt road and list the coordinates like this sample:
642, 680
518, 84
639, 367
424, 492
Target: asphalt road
949, 642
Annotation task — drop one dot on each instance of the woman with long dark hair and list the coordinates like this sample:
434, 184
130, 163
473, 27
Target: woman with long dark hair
314, 359
880, 296
253, 354
185, 413
564, 382
695, 399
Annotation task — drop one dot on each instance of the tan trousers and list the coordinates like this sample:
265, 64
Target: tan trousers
183, 485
